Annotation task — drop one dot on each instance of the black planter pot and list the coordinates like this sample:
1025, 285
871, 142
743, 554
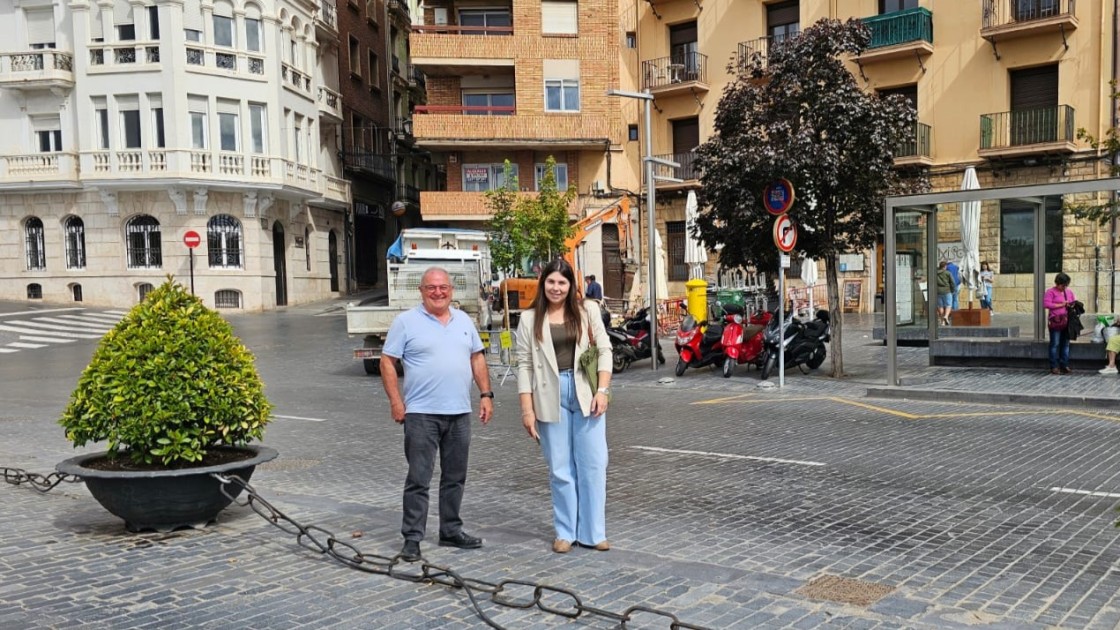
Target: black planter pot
165, 500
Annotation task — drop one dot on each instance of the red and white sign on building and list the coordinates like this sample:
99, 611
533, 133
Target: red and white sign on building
191, 239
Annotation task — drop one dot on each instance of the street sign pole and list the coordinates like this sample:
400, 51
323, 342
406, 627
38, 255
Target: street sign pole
781, 320
191, 239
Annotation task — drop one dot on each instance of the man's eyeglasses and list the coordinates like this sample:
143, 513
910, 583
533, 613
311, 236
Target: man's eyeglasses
432, 288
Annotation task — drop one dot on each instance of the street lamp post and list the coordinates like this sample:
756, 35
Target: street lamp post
651, 203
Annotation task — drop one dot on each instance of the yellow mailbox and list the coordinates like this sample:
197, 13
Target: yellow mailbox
697, 291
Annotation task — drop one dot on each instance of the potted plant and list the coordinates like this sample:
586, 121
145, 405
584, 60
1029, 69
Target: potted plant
177, 398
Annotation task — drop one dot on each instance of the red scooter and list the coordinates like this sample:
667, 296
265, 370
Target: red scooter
742, 339
698, 345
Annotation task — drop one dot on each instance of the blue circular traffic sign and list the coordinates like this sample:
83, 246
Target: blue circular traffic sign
778, 197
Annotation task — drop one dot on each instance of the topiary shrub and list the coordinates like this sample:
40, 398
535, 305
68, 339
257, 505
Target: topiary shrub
168, 382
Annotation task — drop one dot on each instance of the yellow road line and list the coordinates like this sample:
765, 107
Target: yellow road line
758, 399
893, 412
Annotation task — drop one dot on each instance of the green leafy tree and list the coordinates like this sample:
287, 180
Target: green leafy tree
1109, 147
527, 227
802, 116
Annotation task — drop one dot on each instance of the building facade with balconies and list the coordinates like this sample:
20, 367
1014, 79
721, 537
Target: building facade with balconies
523, 80
127, 125
1001, 86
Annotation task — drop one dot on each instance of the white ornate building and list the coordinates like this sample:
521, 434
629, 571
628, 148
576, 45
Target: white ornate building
126, 124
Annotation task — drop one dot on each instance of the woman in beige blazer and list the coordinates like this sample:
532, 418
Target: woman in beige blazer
559, 409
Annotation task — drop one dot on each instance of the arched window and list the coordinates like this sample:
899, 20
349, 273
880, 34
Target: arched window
227, 298
223, 242
76, 290
36, 249
307, 246
142, 291
75, 243
143, 242
34, 291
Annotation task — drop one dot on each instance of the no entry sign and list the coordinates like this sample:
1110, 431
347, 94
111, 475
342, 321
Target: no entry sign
785, 233
191, 239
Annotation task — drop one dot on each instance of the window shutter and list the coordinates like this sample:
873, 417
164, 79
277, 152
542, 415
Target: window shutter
192, 15
559, 17
561, 69
40, 26
96, 31
222, 9
122, 12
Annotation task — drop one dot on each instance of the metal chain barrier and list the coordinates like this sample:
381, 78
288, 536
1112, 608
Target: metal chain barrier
510, 593
41, 483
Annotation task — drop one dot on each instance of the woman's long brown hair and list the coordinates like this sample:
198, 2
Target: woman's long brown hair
573, 312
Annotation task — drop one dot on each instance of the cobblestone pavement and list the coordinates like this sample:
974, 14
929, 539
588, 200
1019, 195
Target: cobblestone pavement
725, 502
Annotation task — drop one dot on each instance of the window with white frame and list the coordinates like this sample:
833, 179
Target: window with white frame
223, 24
130, 128
157, 127
561, 85
483, 177
101, 115
297, 141
559, 17
492, 21
478, 103
256, 127
229, 127
253, 36
355, 57
153, 23
560, 172
143, 244
223, 242
75, 242
48, 133
192, 35
198, 112
35, 245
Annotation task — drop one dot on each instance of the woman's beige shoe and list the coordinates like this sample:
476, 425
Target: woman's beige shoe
603, 546
561, 546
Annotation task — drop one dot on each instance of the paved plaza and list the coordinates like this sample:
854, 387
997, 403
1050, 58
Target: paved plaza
729, 505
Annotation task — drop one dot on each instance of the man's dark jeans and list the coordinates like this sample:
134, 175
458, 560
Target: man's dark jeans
424, 434
1059, 348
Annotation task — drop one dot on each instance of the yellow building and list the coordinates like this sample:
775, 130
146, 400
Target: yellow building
1000, 85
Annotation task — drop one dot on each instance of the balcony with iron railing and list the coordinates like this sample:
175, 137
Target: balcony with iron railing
680, 73
755, 53
917, 149
399, 8
1009, 19
408, 193
454, 48
365, 161
38, 170
326, 21
899, 34
330, 105
37, 70
213, 60
686, 172
1024, 132
416, 78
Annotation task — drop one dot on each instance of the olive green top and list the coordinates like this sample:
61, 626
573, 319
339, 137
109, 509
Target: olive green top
564, 345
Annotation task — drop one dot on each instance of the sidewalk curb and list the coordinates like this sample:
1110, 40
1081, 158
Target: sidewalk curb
1014, 398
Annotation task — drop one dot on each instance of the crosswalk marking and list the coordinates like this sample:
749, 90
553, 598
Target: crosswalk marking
46, 339
66, 325
73, 327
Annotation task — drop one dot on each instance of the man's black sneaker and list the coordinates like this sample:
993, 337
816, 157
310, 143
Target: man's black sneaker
410, 552
461, 540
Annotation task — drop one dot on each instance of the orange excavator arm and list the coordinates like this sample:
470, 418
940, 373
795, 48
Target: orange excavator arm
619, 212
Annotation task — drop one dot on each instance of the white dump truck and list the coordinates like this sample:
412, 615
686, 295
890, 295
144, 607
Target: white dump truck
465, 254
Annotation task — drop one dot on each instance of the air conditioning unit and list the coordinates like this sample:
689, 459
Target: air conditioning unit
597, 189
440, 16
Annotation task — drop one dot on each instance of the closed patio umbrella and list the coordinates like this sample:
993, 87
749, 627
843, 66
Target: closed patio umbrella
694, 253
970, 236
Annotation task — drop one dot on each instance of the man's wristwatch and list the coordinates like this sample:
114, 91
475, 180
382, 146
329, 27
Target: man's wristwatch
486, 395
605, 390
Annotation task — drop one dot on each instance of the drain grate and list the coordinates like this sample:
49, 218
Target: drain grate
289, 465
835, 588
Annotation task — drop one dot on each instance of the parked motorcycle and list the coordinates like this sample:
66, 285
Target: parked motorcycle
742, 338
803, 344
632, 340
697, 345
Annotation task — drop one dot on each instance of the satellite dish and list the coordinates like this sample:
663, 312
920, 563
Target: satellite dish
398, 208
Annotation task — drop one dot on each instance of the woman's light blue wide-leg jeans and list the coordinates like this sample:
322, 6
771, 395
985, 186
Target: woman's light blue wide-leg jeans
575, 449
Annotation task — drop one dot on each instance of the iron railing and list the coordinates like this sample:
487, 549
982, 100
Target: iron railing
455, 29
1037, 125
469, 110
1004, 12
399, 6
326, 14
416, 78
756, 52
917, 145
680, 68
408, 193
368, 162
684, 172
900, 27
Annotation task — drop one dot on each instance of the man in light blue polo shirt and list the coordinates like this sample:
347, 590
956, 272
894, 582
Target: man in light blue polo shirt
441, 352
